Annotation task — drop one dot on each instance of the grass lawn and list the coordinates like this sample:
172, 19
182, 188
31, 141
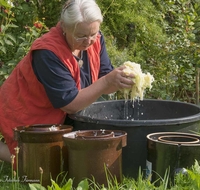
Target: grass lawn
189, 181
6, 181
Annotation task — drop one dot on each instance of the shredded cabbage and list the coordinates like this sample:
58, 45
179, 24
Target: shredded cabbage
141, 81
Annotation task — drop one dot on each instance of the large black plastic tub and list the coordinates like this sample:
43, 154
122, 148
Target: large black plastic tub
138, 120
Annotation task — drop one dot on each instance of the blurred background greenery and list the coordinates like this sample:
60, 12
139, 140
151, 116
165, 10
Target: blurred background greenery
162, 36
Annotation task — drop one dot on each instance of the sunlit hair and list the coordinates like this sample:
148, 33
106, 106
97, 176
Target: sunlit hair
77, 11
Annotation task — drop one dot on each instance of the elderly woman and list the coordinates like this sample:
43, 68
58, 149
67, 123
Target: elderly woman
65, 70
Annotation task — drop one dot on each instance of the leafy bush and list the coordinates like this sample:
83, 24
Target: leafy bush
160, 35
16, 35
163, 36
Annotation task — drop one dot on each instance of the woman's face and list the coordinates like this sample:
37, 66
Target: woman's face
83, 36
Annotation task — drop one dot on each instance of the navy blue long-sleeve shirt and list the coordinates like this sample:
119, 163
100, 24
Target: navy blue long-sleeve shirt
56, 78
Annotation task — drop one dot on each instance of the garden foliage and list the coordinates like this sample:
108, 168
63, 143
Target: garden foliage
190, 180
162, 36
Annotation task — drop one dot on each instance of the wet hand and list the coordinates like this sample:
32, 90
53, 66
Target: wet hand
117, 80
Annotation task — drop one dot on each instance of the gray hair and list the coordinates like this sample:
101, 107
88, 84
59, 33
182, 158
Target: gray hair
77, 11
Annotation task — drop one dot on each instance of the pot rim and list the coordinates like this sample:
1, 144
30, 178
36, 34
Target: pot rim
131, 123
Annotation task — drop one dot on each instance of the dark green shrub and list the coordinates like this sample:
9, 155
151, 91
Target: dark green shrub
163, 36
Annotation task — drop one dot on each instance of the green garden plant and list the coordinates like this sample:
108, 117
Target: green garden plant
189, 180
162, 36
16, 37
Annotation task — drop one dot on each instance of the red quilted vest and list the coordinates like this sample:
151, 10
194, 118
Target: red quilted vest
23, 100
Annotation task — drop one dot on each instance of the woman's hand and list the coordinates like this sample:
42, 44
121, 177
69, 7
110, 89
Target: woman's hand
117, 80
107, 84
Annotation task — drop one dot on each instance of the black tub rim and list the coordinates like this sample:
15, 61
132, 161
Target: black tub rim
129, 123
